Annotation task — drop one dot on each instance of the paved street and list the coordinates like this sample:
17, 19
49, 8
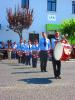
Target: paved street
20, 82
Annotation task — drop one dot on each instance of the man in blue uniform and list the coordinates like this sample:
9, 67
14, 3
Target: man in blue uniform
28, 53
14, 47
20, 51
44, 45
24, 52
56, 63
35, 52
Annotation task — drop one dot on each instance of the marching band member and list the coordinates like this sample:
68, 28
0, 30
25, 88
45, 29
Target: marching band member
44, 45
14, 47
20, 51
28, 53
56, 63
24, 52
35, 52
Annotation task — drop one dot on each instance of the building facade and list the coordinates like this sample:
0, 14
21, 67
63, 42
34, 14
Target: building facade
47, 15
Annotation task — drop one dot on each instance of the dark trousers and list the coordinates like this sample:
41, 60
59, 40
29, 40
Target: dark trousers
28, 60
24, 59
43, 60
56, 67
34, 62
19, 59
13, 54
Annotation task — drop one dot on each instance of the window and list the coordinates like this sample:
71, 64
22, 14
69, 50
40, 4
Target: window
73, 7
51, 5
25, 3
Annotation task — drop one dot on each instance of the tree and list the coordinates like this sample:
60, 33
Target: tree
68, 28
20, 19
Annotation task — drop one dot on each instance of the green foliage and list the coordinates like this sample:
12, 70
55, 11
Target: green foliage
71, 40
68, 27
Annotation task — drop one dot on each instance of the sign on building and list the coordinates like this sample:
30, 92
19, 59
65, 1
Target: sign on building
51, 17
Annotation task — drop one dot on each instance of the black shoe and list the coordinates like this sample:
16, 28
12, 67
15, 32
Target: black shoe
45, 71
55, 77
59, 77
41, 70
34, 66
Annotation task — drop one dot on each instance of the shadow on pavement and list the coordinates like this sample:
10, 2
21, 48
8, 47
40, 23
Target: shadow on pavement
23, 68
26, 72
37, 80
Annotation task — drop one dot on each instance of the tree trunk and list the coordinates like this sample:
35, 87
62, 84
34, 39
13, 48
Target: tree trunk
20, 35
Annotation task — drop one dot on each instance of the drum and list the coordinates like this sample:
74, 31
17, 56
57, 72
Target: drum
62, 51
20, 53
35, 54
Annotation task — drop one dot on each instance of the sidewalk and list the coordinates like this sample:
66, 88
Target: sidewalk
20, 82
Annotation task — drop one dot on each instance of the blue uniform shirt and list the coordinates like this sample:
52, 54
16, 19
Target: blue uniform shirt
35, 47
53, 42
24, 48
29, 49
44, 47
20, 47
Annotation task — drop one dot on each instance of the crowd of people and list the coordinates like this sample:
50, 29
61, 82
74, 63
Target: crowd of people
28, 53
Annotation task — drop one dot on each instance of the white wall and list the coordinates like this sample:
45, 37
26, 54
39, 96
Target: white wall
40, 16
